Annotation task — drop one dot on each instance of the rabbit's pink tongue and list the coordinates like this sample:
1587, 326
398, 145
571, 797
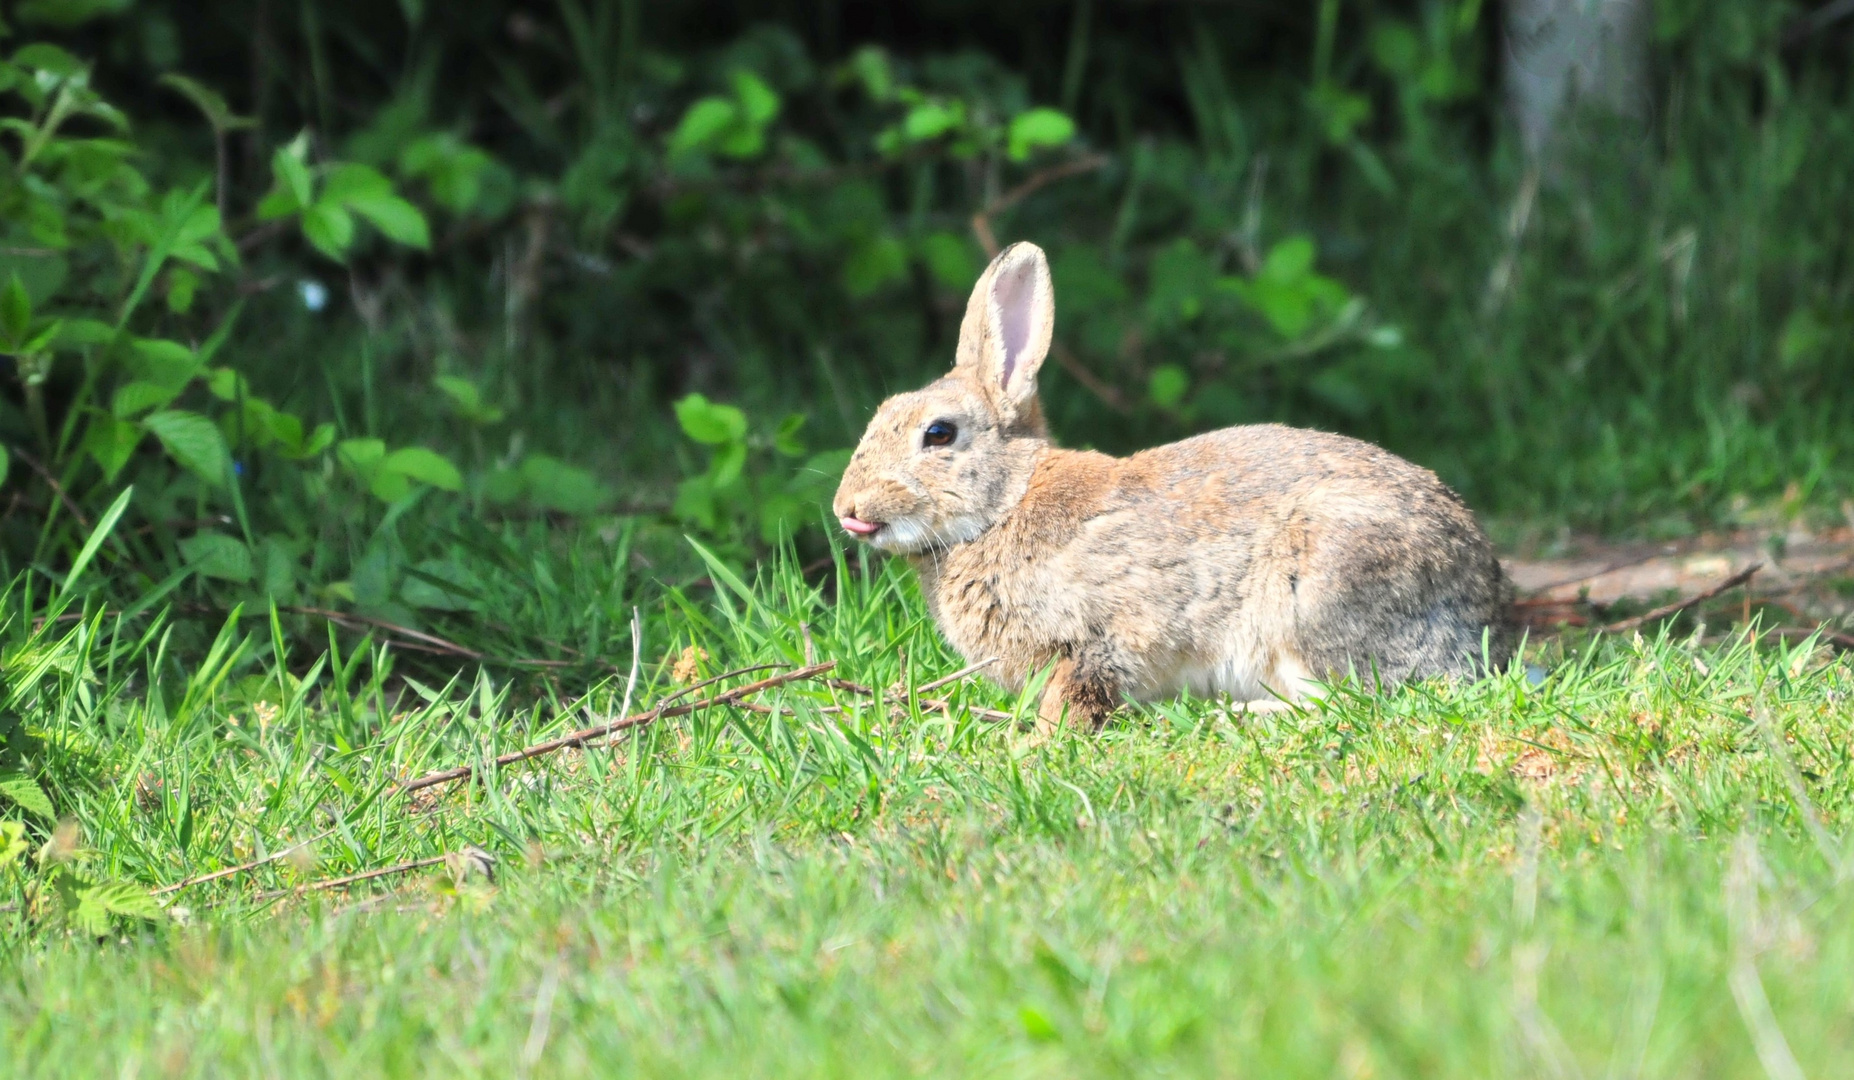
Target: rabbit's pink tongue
858, 525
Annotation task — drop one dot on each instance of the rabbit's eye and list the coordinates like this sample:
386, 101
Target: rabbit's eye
939, 433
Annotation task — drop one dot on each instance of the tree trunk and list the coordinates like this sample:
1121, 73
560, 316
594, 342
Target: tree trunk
1562, 56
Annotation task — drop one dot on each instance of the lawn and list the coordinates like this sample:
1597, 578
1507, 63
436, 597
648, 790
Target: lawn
1624, 861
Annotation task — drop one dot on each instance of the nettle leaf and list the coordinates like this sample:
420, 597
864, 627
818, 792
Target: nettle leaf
397, 219
46, 57
23, 791
329, 227
133, 398
467, 401
1167, 385
216, 555
710, 423
703, 124
567, 489
361, 455
193, 441
293, 189
1037, 129
424, 466
110, 443
758, 102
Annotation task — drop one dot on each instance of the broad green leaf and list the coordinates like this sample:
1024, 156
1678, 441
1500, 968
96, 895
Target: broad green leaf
1288, 259
77, 333
216, 555
193, 441
361, 455
47, 57
729, 460
555, 485
133, 398
26, 793
877, 261
425, 466
710, 423
348, 181
294, 189
467, 400
330, 228
6, 464
398, 219
13, 843
227, 385
759, 103
110, 443
931, 119
951, 258
703, 124
169, 363
1167, 385
1036, 129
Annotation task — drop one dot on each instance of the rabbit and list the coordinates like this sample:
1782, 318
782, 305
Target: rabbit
1262, 561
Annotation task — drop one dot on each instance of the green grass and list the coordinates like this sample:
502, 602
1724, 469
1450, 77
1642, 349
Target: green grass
1600, 874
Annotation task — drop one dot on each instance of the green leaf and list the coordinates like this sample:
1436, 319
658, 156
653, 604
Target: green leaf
399, 220
729, 460
96, 904
555, 485
111, 442
789, 440
26, 793
361, 455
293, 188
759, 103
1167, 385
467, 400
932, 119
349, 181
703, 124
68, 13
216, 555
424, 466
951, 258
193, 441
6, 464
330, 228
227, 385
1036, 129
709, 423
877, 261
13, 843
1037, 1026
43, 56
133, 398
15, 310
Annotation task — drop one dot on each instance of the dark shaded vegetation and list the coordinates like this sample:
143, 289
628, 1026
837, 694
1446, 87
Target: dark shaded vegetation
383, 308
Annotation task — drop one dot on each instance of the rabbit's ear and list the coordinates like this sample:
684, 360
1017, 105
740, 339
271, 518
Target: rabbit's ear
1005, 335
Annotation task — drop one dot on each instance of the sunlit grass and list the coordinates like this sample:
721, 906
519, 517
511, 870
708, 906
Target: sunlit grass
1501, 878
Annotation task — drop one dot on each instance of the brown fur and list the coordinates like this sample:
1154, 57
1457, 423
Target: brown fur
1253, 560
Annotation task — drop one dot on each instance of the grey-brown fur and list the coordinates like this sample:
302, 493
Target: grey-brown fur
1252, 561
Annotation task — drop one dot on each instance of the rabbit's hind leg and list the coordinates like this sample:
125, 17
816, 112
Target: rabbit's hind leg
1078, 695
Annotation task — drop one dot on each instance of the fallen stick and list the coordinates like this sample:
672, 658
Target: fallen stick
241, 868
930, 704
585, 735
1681, 605
355, 879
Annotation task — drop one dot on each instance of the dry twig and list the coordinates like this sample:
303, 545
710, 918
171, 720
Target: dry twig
1681, 605
585, 735
242, 867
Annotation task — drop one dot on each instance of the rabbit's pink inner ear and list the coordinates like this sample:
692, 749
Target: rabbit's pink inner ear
1015, 290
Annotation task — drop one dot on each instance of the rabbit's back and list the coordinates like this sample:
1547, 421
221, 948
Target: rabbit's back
1238, 561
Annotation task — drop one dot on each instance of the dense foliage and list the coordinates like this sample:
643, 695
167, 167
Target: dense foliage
332, 284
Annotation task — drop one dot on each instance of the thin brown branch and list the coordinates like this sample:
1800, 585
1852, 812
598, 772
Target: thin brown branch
585, 735
355, 879
1681, 605
51, 481
944, 705
242, 867
1534, 595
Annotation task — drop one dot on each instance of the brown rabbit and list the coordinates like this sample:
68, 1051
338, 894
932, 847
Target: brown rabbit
1254, 561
